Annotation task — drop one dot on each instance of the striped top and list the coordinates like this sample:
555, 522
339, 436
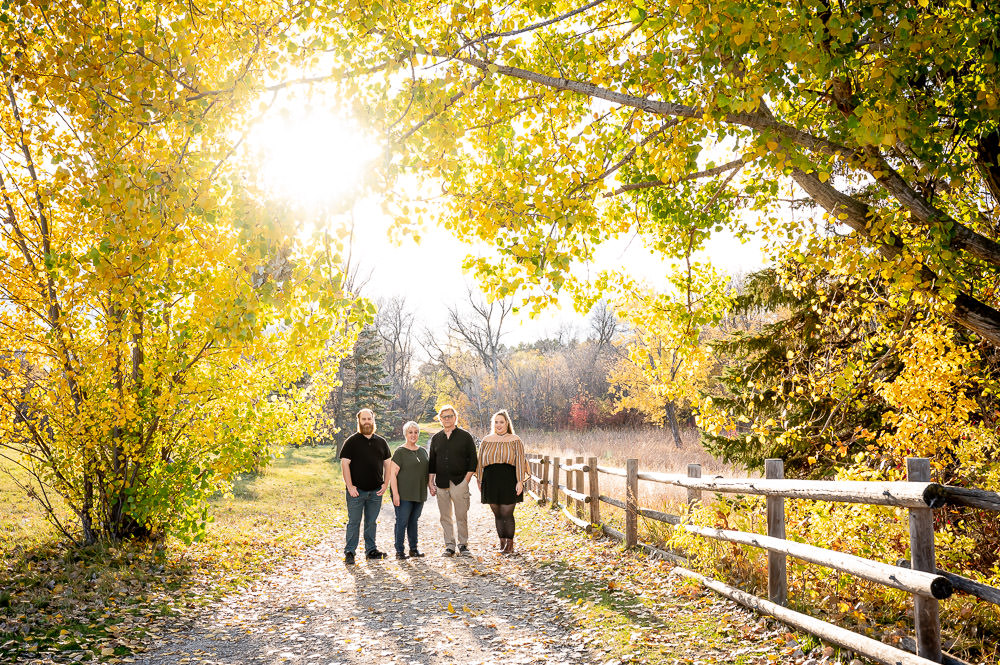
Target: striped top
505, 449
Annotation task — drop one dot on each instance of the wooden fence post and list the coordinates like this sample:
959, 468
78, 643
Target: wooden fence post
595, 492
545, 479
555, 482
569, 481
631, 502
777, 564
925, 610
578, 486
694, 471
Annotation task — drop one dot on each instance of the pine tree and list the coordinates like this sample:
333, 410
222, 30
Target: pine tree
364, 385
766, 380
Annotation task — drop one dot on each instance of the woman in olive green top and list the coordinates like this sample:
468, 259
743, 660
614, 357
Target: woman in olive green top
408, 477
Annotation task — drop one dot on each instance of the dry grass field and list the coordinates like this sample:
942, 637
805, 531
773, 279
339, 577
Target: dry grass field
653, 447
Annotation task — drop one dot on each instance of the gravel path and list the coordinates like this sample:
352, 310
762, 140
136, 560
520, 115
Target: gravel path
473, 609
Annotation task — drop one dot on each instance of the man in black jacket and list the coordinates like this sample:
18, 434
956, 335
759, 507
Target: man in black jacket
452, 463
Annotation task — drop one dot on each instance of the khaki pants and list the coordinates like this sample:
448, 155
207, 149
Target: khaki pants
454, 501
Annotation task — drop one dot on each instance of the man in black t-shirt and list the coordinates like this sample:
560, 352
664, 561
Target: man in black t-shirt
364, 460
452, 462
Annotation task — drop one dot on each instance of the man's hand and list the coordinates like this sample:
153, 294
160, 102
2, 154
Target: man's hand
382, 490
352, 490
433, 490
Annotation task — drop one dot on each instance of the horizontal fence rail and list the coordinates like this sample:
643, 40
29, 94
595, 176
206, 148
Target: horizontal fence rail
834, 634
919, 577
965, 585
905, 579
900, 494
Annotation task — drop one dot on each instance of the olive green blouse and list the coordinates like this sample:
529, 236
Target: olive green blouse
412, 476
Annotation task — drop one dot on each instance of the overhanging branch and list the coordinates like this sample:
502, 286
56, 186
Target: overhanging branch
967, 311
964, 238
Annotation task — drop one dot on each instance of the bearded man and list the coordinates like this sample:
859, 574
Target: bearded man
364, 460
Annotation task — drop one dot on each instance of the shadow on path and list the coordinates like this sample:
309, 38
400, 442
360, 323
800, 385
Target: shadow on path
473, 609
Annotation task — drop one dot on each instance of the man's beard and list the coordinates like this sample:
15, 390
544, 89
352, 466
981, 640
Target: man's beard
367, 429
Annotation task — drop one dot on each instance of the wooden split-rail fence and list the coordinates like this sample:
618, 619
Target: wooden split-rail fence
578, 482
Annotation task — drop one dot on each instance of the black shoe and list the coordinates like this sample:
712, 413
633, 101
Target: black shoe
463, 550
375, 554
414, 554
349, 559
449, 552
400, 555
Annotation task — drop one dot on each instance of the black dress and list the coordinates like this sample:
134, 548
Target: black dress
498, 486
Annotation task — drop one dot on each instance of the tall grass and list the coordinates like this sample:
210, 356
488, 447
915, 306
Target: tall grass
653, 447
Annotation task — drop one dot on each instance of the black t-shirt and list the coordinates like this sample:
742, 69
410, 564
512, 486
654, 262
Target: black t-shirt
452, 456
367, 460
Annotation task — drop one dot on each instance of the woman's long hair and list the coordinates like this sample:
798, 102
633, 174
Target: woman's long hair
506, 416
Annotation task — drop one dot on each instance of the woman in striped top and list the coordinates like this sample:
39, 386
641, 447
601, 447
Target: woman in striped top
501, 473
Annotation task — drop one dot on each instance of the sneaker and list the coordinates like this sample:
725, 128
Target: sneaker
400, 555
349, 559
415, 554
449, 552
463, 550
375, 554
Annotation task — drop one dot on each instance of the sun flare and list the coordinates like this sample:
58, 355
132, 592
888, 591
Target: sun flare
313, 157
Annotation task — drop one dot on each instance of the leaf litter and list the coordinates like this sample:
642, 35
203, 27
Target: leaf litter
565, 598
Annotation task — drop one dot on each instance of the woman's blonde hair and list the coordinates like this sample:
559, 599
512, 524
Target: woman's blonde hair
506, 416
408, 425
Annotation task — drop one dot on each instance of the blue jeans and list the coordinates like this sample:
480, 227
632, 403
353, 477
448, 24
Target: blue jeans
407, 514
368, 503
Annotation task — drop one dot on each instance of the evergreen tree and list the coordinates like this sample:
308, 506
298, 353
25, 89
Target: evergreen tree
364, 385
770, 373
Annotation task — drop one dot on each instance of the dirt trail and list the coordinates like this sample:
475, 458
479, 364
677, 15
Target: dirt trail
565, 598
317, 610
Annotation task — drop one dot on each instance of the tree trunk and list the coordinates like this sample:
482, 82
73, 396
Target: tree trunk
672, 421
86, 514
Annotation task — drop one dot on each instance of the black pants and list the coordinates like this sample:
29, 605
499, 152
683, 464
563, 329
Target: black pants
504, 515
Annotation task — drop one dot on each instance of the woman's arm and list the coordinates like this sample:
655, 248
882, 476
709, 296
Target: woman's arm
479, 462
393, 471
520, 466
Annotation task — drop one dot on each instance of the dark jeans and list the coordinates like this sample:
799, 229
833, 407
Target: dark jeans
407, 514
368, 503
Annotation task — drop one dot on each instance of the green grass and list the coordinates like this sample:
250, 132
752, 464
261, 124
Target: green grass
104, 600
617, 616
630, 609
22, 524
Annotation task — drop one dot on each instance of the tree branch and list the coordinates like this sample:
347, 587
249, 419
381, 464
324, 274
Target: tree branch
533, 26
964, 238
451, 102
628, 156
967, 311
708, 173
